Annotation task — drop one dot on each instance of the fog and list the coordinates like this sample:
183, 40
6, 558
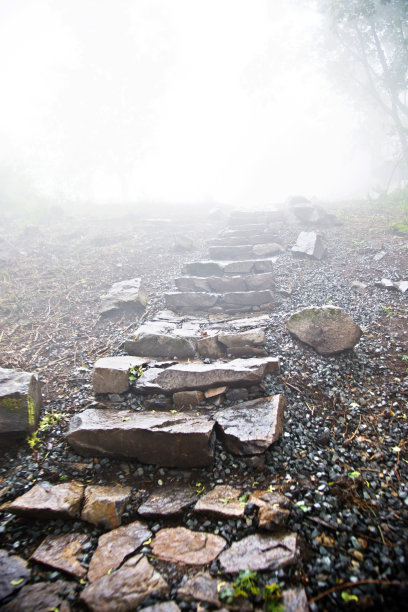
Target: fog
223, 101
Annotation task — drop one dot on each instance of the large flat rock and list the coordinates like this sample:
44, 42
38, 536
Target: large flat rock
111, 374
180, 300
201, 376
45, 501
172, 440
181, 545
124, 295
20, 402
183, 301
259, 552
221, 267
251, 427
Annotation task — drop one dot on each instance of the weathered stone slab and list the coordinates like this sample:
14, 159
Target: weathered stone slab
111, 374
201, 587
180, 545
184, 399
104, 505
114, 546
180, 300
295, 600
62, 552
223, 500
20, 402
125, 295
248, 298
274, 509
172, 440
13, 573
266, 249
204, 268
124, 589
230, 251
259, 552
252, 337
327, 329
386, 283
201, 376
262, 281
45, 596
208, 346
46, 501
168, 501
221, 284
239, 267
192, 283
251, 427
310, 244
164, 341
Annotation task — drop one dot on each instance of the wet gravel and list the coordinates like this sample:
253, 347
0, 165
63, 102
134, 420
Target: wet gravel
342, 459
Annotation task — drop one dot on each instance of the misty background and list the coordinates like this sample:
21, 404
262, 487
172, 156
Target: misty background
181, 101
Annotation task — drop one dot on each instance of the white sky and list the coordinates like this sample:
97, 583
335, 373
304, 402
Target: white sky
174, 100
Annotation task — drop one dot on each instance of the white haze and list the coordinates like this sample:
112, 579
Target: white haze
174, 100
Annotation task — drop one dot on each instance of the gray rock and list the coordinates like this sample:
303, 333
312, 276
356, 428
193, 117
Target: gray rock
165, 606
46, 501
172, 440
310, 244
221, 284
183, 243
259, 552
239, 267
201, 376
267, 249
251, 427
14, 573
203, 268
111, 374
208, 346
262, 281
42, 596
386, 283
273, 509
248, 298
179, 300
253, 337
230, 252
201, 587
20, 402
168, 501
125, 295
124, 589
164, 341
192, 283
327, 329
402, 286
180, 545
62, 552
295, 600
104, 505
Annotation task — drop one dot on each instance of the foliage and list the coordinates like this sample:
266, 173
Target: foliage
49, 419
246, 585
135, 372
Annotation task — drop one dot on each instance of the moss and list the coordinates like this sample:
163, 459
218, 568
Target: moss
400, 227
12, 404
314, 311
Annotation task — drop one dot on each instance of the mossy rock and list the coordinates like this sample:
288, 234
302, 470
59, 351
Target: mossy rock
20, 402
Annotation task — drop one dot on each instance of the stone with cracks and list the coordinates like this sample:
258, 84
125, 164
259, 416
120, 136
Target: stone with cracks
257, 282
259, 552
181, 300
13, 573
202, 376
125, 295
104, 505
47, 501
168, 501
164, 341
208, 346
124, 589
180, 545
310, 244
171, 440
111, 374
266, 249
327, 329
20, 403
221, 284
114, 546
42, 596
62, 552
204, 268
273, 509
192, 283
252, 337
223, 501
251, 427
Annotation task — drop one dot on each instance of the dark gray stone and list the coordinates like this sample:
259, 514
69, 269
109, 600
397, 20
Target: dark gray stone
14, 573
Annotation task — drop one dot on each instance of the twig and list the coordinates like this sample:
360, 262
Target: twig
354, 433
348, 585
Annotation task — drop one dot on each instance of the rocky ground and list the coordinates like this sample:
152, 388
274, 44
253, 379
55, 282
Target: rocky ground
342, 459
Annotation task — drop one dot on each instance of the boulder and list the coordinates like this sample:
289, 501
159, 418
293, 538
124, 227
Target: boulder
20, 403
259, 552
46, 501
125, 295
111, 374
251, 427
124, 589
253, 337
172, 440
310, 244
201, 376
208, 346
327, 329
180, 545
104, 505
258, 282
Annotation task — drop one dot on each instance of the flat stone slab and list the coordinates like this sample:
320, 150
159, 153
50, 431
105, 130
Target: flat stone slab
202, 376
20, 402
168, 501
42, 596
259, 552
124, 589
177, 300
13, 573
114, 546
172, 440
45, 501
251, 427
201, 587
226, 284
62, 552
187, 399
310, 244
219, 268
104, 505
124, 295
111, 374
223, 500
180, 545
328, 329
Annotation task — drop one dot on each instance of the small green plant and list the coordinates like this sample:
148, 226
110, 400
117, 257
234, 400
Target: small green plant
135, 372
246, 586
199, 488
50, 419
32, 440
353, 475
347, 597
388, 311
404, 358
272, 596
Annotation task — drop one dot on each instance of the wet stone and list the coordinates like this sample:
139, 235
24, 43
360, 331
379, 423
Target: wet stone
42, 596
180, 545
259, 552
273, 509
185, 399
115, 546
104, 505
13, 573
111, 374
124, 589
223, 500
20, 403
124, 295
49, 501
251, 427
62, 552
167, 501
201, 587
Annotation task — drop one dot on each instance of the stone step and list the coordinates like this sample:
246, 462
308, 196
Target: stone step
223, 284
221, 268
237, 301
258, 217
243, 237
239, 251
